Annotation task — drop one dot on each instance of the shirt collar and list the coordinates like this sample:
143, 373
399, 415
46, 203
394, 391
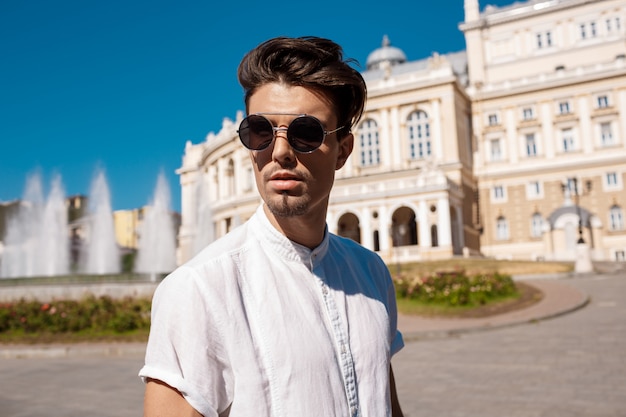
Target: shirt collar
286, 248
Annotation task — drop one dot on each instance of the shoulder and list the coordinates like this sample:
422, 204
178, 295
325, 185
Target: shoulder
209, 272
353, 250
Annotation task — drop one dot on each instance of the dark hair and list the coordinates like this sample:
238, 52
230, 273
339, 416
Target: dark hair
310, 62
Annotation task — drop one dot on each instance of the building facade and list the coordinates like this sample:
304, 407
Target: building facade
547, 81
505, 150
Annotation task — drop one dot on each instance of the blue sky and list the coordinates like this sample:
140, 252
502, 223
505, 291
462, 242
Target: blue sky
122, 85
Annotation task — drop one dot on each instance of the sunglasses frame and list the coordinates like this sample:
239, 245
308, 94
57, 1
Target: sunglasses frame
275, 130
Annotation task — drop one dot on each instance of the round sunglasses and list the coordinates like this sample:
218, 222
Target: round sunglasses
305, 133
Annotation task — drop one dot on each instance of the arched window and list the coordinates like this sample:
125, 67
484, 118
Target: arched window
502, 228
369, 143
419, 135
536, 225
616, 218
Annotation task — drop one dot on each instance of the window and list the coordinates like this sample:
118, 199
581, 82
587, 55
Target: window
571, 186
502, 228
606, 134
369, 143
588, 30
611, 178
498, 193
496, 150
602, 101
616, 218
527, 113
419, 135
564, 107
536, 225
567, 137
531, 145
533, 189
493, 119
544, 40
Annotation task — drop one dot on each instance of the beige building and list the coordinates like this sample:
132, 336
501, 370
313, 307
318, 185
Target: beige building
128, 223
547, 81
468, 153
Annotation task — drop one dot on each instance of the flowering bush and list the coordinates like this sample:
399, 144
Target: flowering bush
89, 314
455, 288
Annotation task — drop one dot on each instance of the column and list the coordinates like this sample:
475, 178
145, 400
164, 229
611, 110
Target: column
424, 225
444, 230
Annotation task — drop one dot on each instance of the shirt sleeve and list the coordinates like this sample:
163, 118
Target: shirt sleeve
397, 342
185, 348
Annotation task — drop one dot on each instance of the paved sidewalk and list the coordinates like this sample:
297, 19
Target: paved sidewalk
559, 298
572, 365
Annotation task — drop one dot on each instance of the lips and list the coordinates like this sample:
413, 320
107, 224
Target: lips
284, 181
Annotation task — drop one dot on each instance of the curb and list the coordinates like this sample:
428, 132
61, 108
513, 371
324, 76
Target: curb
72, 350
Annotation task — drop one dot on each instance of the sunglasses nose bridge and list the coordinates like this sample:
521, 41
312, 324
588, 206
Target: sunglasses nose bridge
278, 130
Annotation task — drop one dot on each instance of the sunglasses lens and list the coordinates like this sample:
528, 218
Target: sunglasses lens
305, 134
255, 132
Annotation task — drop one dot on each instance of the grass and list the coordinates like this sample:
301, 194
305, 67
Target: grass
483, 266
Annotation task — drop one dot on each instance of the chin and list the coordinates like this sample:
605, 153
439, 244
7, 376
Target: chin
286, 206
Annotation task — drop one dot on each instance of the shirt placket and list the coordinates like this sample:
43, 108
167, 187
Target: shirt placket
343, 347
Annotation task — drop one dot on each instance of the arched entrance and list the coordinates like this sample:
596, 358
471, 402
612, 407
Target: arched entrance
403, 227
568, 225
348, 226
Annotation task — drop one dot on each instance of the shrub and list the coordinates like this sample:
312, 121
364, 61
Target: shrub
65, 316
455, 288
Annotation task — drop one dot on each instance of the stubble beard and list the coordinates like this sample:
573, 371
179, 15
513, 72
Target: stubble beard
288, 206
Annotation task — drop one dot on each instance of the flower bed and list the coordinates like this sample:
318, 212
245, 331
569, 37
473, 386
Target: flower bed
455, 288
91, 314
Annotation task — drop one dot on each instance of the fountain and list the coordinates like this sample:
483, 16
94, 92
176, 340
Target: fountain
157, 234
205, 231
101, 254
36, 242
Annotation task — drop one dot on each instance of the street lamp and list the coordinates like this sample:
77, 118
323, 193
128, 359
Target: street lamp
577, 195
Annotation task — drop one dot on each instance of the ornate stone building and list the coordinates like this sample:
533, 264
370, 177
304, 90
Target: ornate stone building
547, 81
498, 150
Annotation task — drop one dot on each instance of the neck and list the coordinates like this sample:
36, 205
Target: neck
307, 230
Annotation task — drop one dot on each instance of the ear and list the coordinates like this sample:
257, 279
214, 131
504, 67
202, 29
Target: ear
346, 145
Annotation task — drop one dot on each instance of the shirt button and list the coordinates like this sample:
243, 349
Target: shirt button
325, 290
343, 348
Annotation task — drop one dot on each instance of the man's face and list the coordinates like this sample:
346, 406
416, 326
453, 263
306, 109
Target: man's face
292, 183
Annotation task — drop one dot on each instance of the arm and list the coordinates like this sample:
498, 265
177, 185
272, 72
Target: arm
396, 411
161, 400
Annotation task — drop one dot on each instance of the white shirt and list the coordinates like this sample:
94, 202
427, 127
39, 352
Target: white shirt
268, 327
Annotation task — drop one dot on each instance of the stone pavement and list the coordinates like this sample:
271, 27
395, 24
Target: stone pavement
520, 364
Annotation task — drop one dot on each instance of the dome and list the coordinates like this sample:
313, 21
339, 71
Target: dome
385, 54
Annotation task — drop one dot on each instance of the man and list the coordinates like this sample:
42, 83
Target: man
280, 317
